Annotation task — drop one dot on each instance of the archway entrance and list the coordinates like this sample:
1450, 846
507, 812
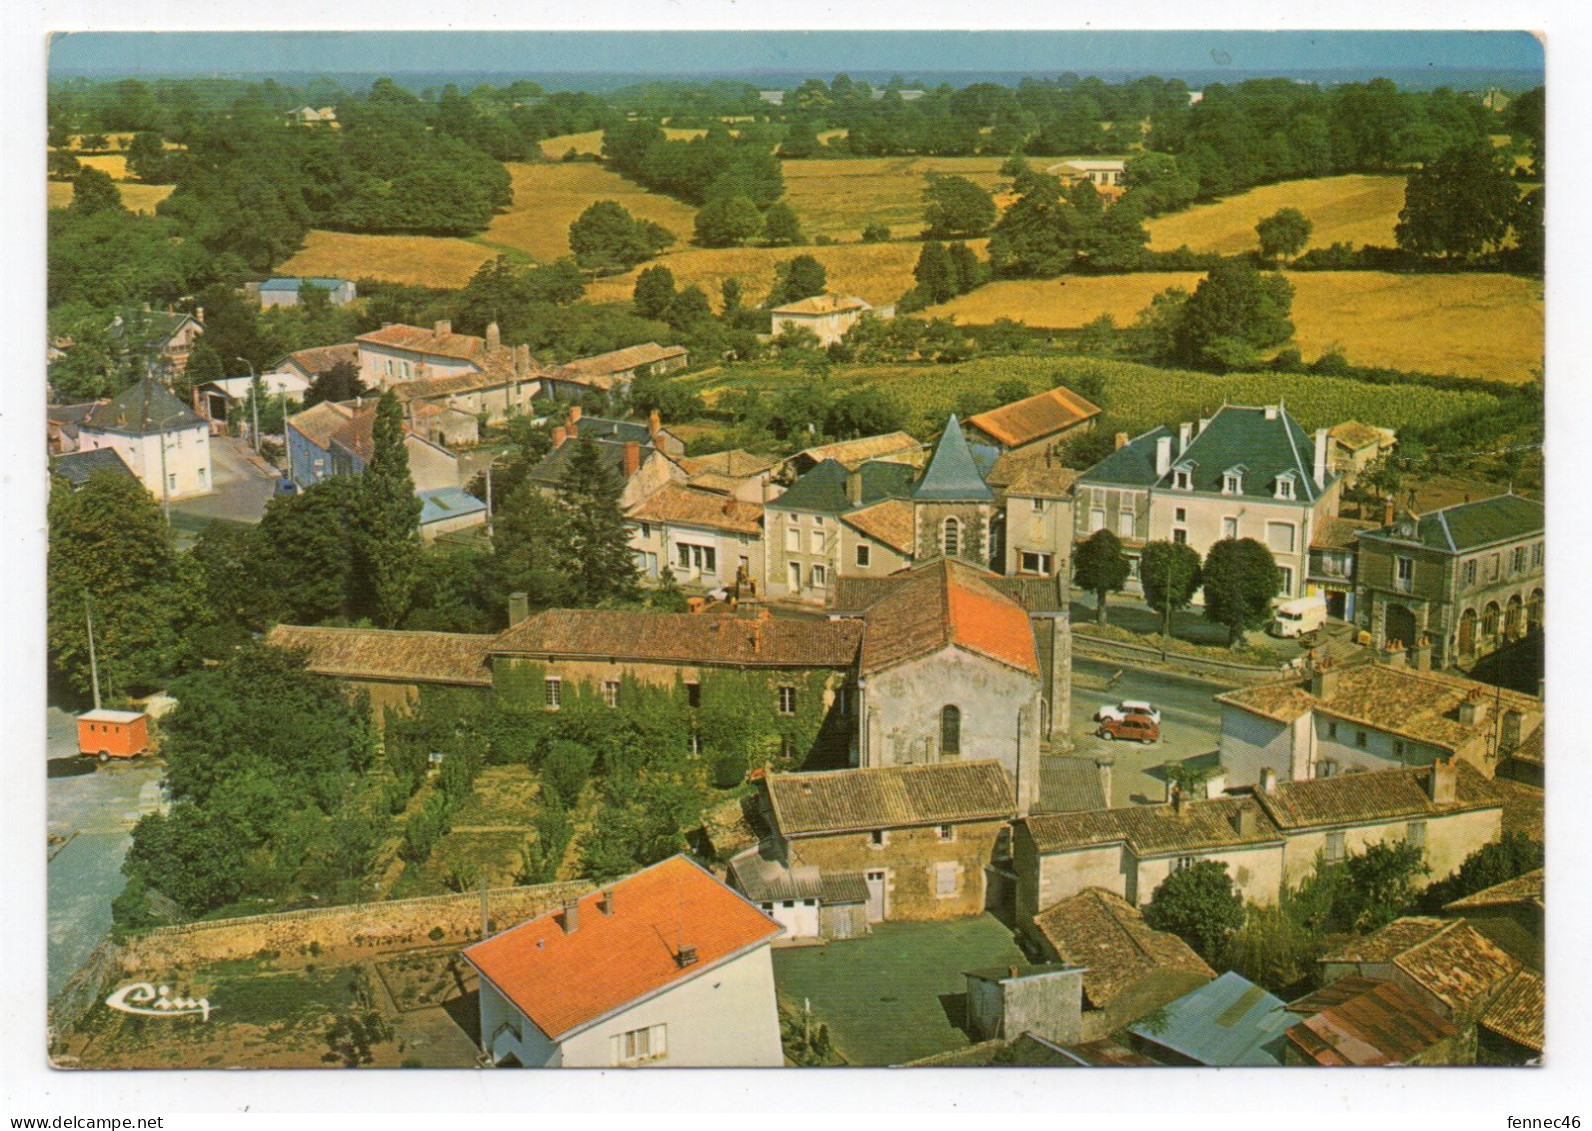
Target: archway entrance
1398, 627
1467, 633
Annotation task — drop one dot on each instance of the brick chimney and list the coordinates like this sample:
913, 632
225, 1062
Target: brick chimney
606, 905
632, 457
1387, 511
574, 418
1473, 708
571, 916
444, 326
519, 608
1122, 441
522, 360
1177, 799
494, 338
854, 487
654, 423
1442, 782
1324, 679
1244, 820
1103, 768
560, 434
1268, 780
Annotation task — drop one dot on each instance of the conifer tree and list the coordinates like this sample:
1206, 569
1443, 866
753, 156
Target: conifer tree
595, 538
389, 516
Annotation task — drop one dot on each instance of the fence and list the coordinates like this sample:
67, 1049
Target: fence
1198, 667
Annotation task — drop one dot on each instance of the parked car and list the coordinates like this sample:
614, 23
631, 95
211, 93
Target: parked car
1133, 728
1119, 711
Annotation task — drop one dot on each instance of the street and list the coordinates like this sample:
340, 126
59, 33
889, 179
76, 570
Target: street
242, 487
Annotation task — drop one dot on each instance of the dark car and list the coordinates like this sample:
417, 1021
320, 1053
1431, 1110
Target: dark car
1131, 728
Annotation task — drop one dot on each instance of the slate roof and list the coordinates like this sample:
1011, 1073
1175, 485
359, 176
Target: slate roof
320, 422
1105, 934
385, 654
321, 358
683, 638
940, 604
1132, 465
890, 522
1225, 1023
1469, 526
621, 360
1071, 785
604, 428
448, 502
822, 490
77, 467
952, 475
151, 327
885, 797
823, 304
144, 408
1517, 1012
1527, 889
690, 506
550, 471
563, 982
1448, 958
1362, 1022
1033, 418
853, 452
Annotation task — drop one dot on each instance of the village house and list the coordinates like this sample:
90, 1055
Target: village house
284, 290
835, 521
1368, 716
77, 468
893, 447
61, 424
627, 450
807, 902
1268, 840
309, 440
1037, 521
709, 541
613, 372
953, 509
389, 665
478, 375
1130, 969
440, 421
1510, 1030
162, 338
353, 446
215, 400
1334, 552
1243, 473
922, 839
311, 363
1226, 1023
666, 967
1510, 914
738, 474
1356, 446
312, 116
161, 441
1034, 425
1102, 173
1364, 1023
827, 317
1455, 584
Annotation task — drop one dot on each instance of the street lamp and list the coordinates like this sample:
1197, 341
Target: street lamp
254, 400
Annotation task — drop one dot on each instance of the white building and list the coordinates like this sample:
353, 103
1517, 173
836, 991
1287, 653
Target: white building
1102, 174
163, 443
666, 967
710, 541
827, 316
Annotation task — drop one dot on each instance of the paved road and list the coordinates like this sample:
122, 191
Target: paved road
1187, 624
242, 487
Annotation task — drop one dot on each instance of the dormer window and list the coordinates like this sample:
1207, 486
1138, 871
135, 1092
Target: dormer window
1183, 478
1285, 487
1233, 480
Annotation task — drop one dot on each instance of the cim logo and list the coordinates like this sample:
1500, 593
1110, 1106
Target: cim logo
145, 1000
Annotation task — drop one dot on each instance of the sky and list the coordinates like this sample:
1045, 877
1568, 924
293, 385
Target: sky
818, 52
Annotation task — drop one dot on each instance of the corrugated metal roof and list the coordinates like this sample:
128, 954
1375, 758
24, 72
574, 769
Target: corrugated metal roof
1225, 1023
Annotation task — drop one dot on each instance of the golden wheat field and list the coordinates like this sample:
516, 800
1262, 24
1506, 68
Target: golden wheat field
837, 197
591, 142
135, 197
1352, 209
549, 198
1473, 325
432, 261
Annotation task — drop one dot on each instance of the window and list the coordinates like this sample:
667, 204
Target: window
1536, 555
693, 694
843, 701
1332, 730
1038, 505
1286, 573
1285, 487
1326, 768
1180, 514
1230, 526
552, 693
1468, 572
1517, 560
787, 700
945, 878
1232, 483
950, 731
611, 692
1492, 566
951, 537
1180, 536
795, 581
1127, 524
638, 1045
1184, 862
1133, 566
816, 542
1359, 739
820, 576
171, 481
1280, 537
1032, 561
946, 832
876, 838
1415, 833
1097, 519
793, 538
1181, 480
697, 559
1335, 848
864, 556
1404, 572
646, 530
1398, 748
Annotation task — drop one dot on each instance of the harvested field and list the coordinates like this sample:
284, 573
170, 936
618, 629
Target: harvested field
591, 142
1480, 325
136, 197
432, 261
1353, 209
837, 197
549, 198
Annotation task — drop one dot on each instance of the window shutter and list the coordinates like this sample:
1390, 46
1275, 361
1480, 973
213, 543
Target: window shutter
617, 1041
658, 1046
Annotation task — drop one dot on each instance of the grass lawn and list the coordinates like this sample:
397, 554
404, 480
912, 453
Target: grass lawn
1354, 209
898, 994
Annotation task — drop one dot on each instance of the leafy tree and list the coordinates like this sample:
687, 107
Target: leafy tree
304, 553
389, 518
801, 140
1527, 119
1200, 905
970, 273
339, 383
1170, 574
1039, 235
189, 855
956, 207
93, 143
689, 308
94, 191
595, 538
935, 274
781, 228
566, 768
1380, 884
605, 237
1240, 579
63, 165
1459, 205
527, 555
864, 412
654, 291
727, 221
730, 299
1283, 234
1100, 566
796, 279
146, 158
876, 232
1234, 312
1513, 855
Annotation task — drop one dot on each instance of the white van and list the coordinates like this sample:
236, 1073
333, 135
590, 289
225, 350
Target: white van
1299, 616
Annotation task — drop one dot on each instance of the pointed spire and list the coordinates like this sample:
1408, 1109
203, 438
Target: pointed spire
952, 476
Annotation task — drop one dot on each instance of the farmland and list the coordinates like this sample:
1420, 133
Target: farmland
135, 197
836, 198
1355, 209
430, 260
1471, 325
590, 143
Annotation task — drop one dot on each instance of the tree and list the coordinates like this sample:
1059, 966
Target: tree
935, 274
969, 272
1200, 905
1527, 118
94, 191
1233, 313
1240, 579
1513, 855
654, 291
864, 412
595, 538
1101, 567
1380, 885
146, 158
875, 232
688, 308
605, 237
1459, 205
527, 554
956, 207
1170, 574
62, 165
389, 517
1283, 234
727, 221
304, 557
796, 279
339, 383
781, 228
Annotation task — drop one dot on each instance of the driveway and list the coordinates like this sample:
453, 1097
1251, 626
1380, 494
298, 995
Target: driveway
243, 485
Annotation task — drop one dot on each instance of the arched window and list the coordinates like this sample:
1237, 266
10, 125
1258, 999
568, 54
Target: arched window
950, 731
1489, 620
951, 537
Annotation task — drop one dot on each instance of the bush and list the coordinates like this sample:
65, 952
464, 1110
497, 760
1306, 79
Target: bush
876, 233
1200, 905
436, 933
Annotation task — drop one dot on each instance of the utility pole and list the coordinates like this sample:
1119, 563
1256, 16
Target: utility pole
254, 400
160, 429
93, 661
489, 500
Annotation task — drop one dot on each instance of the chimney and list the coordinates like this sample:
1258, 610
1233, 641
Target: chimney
1103, 768
854, 487
1163, 455
519, 608
1268, 780
1387, 511
1324, 679
1321, 457
574, 419
654, 423
1271, 412
199, 315
1185, 433
444, 326
1205, 422
1473, 708
1177, 798
522, 360
1122, 441
571, 916
606, 906
1442, 782
1244, 820
632, 457
386, 325
560, 434
494, 338
686, 957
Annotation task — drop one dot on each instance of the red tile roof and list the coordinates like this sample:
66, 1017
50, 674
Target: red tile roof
1034, 418
319, 359
564, 982
1105, 934
1448, 958
940, 604
418, 339
678, 505
683, 638
375, 653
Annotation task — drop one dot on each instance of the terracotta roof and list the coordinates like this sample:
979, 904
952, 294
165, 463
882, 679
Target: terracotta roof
564, 982
1032, 474
1533, 749
1362, 1022
373, 653
934, 793
1374, 795
319, 422
1333, 533
853, 452
889, 522
1522, 889
619, 361
940, 604
1151, 830
1448, 958
683, 638
1034, 418
691, 506
1419, 705
1105, 934
1354, 435
319, 359
418, 339
1071, 785
823, 304
1517, 1012
734, 464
